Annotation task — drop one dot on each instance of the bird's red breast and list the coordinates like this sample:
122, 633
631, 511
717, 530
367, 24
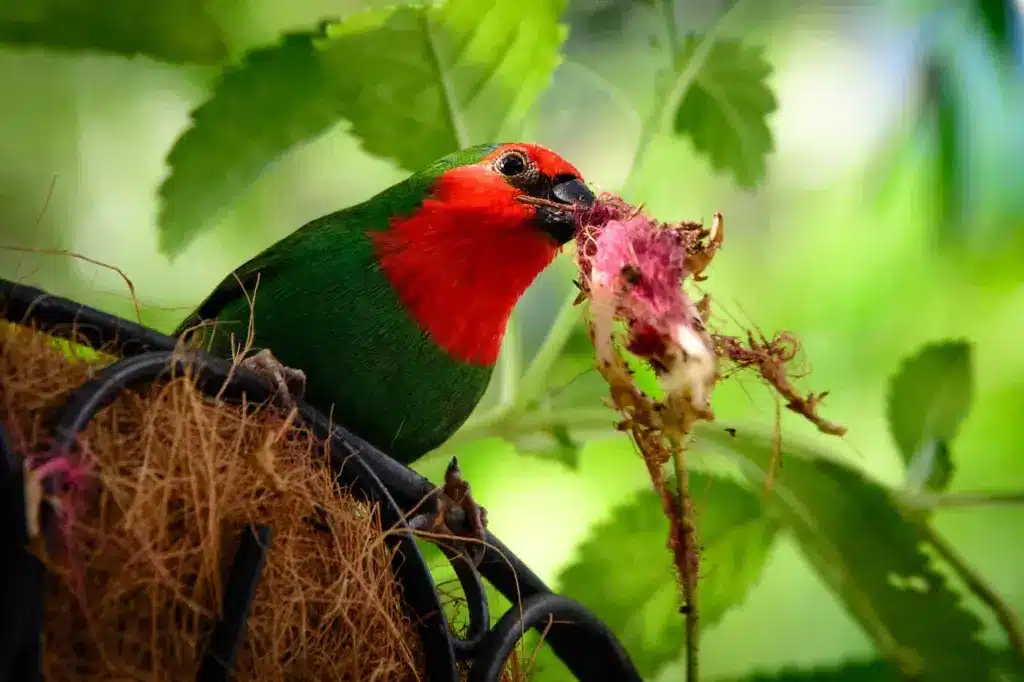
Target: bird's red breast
461, 262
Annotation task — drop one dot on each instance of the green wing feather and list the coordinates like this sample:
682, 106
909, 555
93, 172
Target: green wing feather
402, 199
242, 282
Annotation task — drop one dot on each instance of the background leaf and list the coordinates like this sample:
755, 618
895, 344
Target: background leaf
852, 532
997, 17
168, 30
429, 82
277, 97
928, 399
416, 84
725, 111
624, 571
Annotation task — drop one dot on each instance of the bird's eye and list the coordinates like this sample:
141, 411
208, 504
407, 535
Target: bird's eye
511, 164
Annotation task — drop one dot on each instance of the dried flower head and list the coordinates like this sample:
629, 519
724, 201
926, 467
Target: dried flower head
632, 269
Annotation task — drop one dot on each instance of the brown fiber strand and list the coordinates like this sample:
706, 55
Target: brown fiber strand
176, 475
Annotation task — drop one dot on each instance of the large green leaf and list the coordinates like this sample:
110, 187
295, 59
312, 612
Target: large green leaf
624, 571
168, 30
725, 111
421, 83
415, 83
277, 97
928, 399
854, 535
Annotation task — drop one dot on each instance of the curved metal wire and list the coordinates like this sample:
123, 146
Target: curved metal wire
537, 611
219, 659
22, 577
578, 637
476, 602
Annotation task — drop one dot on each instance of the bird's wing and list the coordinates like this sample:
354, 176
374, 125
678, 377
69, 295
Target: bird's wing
237, 285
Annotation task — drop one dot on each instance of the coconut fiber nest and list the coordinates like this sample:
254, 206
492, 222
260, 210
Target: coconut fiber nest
152, 512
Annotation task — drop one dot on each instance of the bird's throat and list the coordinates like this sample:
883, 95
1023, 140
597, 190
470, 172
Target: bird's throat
460, 276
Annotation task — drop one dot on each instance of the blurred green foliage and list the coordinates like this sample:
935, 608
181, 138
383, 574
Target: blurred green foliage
928, 400
868, 159
180, 31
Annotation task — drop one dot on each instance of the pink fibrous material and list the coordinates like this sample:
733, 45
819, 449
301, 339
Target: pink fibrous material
633, 269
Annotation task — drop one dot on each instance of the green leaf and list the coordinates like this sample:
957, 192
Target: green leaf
168, 30
277, 97
725, 111
862, 546
432, 81
928, 399
416, 83
624, 571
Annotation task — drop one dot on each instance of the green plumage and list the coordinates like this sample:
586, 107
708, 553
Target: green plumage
323, 306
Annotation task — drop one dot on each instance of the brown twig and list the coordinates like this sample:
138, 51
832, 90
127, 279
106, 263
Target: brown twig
771, 357
690, 569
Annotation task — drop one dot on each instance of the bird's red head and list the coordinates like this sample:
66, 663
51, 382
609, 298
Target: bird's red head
462, 260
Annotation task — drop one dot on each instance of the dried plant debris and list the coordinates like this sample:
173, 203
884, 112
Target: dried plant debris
633, 269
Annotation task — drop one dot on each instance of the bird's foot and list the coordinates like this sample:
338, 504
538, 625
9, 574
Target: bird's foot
290, 383
455, 494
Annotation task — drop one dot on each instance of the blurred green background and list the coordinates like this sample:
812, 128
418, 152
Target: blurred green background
880, 226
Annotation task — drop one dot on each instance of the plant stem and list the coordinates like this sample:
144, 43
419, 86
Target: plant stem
496, 424
925, 501
536, 376
669, 95
668, 12
455, 120
978, 587
510, 361
690, 568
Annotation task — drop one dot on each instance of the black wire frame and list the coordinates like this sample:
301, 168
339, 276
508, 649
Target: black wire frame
585, 644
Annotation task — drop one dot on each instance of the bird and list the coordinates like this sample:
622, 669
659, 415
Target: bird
389, 315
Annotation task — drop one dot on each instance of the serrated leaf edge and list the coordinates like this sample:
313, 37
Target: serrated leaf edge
889, 647
196, 116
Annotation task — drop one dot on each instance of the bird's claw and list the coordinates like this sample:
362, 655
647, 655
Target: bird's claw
290, 383
456, 494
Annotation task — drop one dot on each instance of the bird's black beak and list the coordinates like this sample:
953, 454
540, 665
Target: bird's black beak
573, 192
561, 223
